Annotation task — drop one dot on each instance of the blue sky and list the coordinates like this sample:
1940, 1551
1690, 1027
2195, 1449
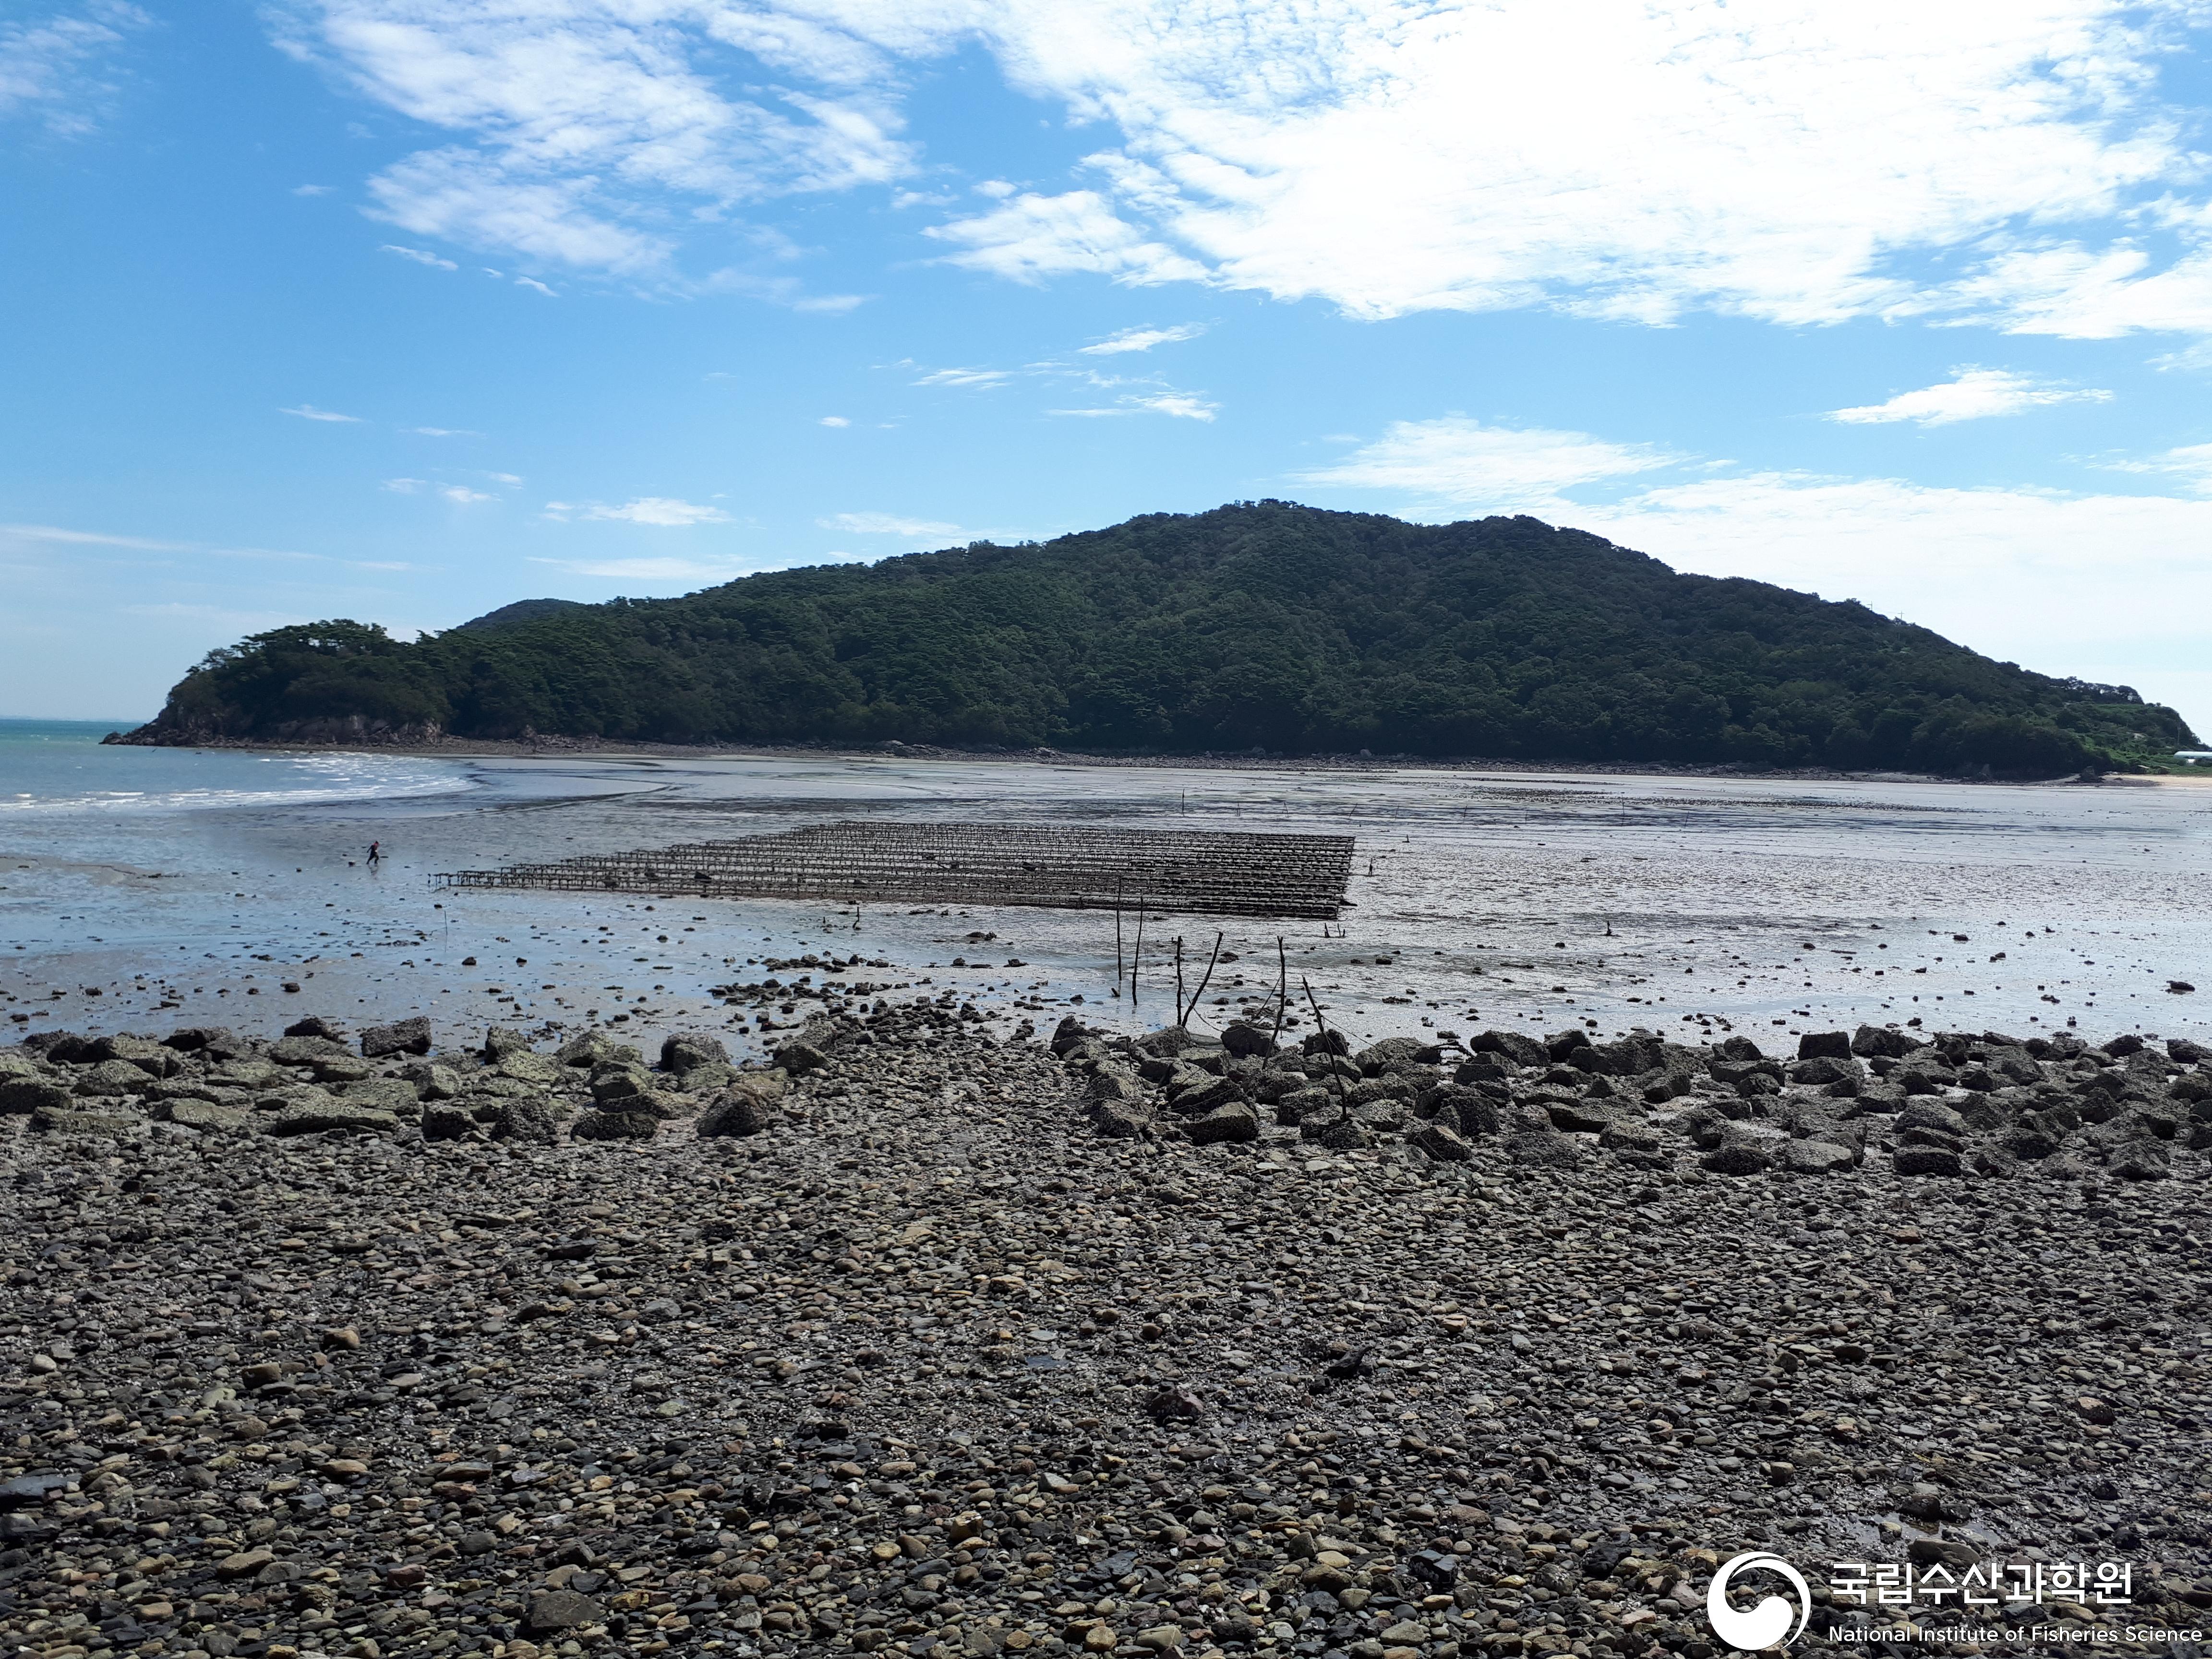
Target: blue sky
404, 309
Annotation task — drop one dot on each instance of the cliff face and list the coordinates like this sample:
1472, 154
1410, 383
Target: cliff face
1257, 626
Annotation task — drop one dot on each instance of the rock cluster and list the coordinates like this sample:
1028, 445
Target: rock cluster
887, 1349
1954, 1104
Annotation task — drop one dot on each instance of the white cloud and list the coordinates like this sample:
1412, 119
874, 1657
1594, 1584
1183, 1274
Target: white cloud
834, 420
1183, 406
2049, 579
658, 510
28, 538
1796, 161
504, 477
786, 291
419, 256
2071, 289
653, 570
1496, 469
311, 190
405, 486
444, 432
462, 495
47, 532
532, 282
2059, 582
49, 68
886, 524
1033, 237
2191, 463
576, 124
1142, 339
1970, 394
309, 412
981, 378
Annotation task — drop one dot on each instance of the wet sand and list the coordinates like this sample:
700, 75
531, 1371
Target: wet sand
1694, 906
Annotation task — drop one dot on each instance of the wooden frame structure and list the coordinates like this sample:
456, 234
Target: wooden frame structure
1056, 867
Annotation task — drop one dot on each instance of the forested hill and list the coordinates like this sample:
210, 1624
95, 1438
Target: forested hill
1258, 625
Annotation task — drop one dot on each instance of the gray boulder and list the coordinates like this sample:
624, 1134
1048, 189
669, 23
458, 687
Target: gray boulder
798, 1059
616, 1126
525, 1121
1440, 1141
683, 1050
1737, 1158
315, 1117
1234, 1121
500, 1040
401, 1036
1929, 1161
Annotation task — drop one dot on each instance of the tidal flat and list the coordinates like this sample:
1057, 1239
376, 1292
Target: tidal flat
145, 882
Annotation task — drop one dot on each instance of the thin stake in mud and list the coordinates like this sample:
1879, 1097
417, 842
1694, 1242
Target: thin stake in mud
1137, 955
1178, 968
1282, 993
1321, 1028
1184, 1019
1117, 936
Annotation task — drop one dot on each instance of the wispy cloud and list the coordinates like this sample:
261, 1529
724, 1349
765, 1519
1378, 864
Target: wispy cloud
662, 511
1182, 405
309, 412
1799, 165
420, 256
2039, 575
1970, 394
461, 495
532, 283
406, 486
51, 68
653, 570
573, 131
1499, 469
1031, 238
26, 536
886, 524
981, 378
47, 532
1142, 339
2191, 463
311, 190
834, 420
442, 432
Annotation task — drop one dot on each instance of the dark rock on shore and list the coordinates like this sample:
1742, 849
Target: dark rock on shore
925, 1362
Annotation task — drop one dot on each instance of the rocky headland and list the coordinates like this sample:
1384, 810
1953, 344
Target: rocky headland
921, 1342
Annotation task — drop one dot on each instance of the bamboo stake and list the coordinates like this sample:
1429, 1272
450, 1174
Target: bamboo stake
1198, 996
1282, 993
1117, 936
1137, 954
1336, 1077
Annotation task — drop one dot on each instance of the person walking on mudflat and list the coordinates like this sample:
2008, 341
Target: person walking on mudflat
374, 855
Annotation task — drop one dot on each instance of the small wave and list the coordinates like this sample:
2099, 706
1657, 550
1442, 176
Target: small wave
337, 783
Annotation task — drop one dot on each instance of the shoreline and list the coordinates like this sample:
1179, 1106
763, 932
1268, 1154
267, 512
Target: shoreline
556, 748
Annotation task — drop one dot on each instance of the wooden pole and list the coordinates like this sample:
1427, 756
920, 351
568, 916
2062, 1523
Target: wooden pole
1117, 935
1198, 996
1282, 992
1336, 1077
1137, 953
